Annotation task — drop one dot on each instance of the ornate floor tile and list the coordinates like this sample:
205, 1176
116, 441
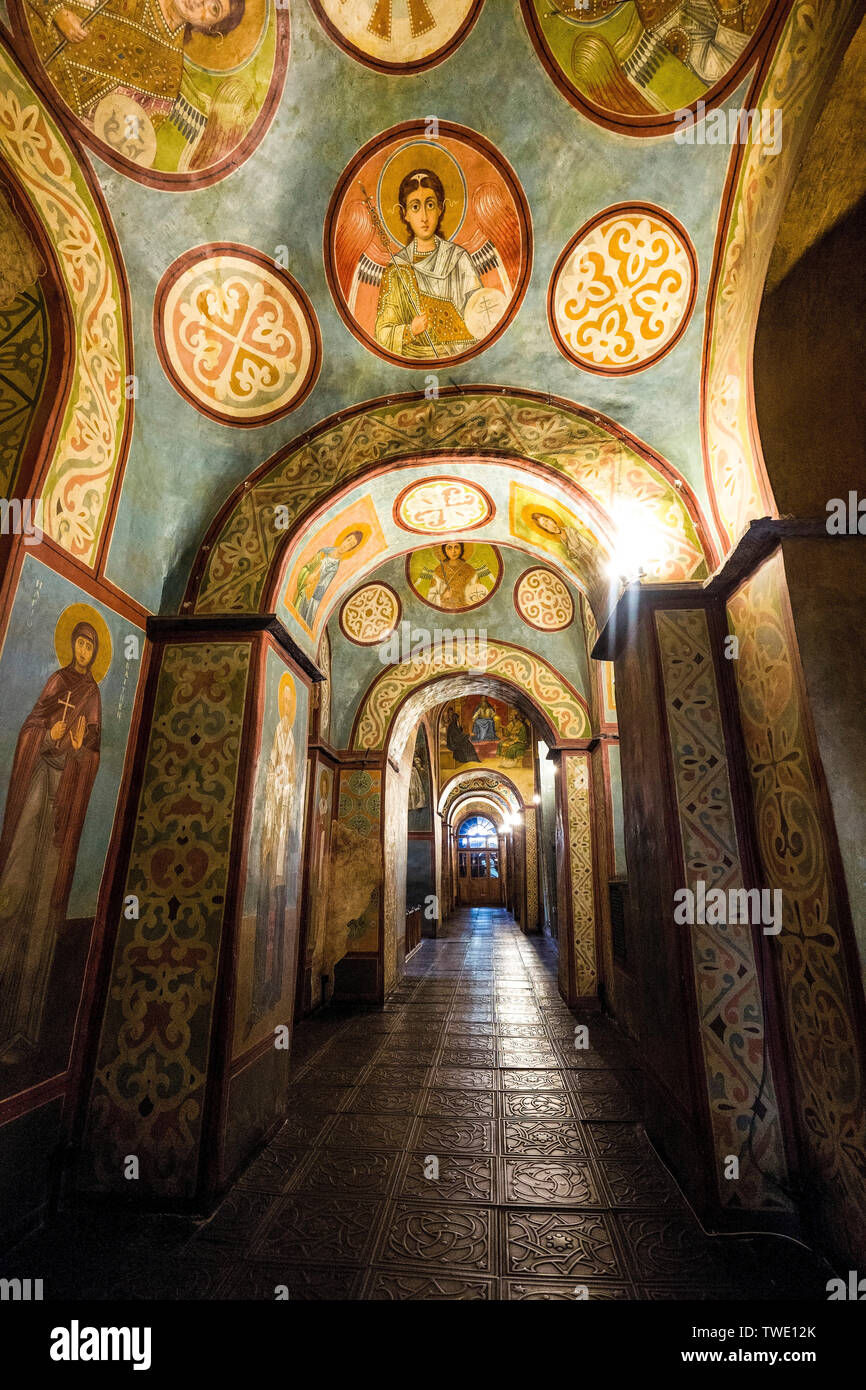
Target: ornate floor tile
640, 1183
332, 1172
409, 1058
559, 1245
617, 1140
369, 1132
550, 1181
306, 1099
522, 1030
453, 1238
272, 1170
540, 1103
460, 1178
469, 1029
404, 1077
535, 1079
431, 1288
454, 1136
300, 1130
612, 1104
596, 1079
550, 1291
544, 1138
308, 1230
380, 1100
466, 1104
471, 1077
468, 1057
262, 1279
320, 1076
529, 1057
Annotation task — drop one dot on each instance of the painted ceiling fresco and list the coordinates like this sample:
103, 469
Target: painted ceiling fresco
532, 624
169, 91
288, 210
636, 61
398, 35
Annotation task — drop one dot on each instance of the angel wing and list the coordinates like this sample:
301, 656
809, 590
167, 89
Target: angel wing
231, 115
359, 257
501, 248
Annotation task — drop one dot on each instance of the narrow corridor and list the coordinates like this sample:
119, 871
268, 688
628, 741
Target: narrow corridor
451, 1145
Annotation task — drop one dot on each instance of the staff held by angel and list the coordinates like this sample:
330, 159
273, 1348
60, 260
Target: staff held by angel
424, 294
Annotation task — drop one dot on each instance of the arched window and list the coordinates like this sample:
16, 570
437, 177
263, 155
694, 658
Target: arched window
477, 832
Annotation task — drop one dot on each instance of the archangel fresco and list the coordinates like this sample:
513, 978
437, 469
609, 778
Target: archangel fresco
428, 244
181, 88
454, 576
54, 768
632, 60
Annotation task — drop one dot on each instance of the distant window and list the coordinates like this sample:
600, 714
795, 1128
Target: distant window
477, 832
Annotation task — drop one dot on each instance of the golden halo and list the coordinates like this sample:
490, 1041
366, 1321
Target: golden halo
422, 154
212, 54
530, 510
83, 613
287, 684
365, 532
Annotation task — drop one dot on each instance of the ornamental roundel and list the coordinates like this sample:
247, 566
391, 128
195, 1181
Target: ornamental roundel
428, 244
370, 614
543, 601
236, 335
398, 35
438, 506
623, 290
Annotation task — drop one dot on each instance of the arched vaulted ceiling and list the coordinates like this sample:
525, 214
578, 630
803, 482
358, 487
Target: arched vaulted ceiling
266, 162
521, 452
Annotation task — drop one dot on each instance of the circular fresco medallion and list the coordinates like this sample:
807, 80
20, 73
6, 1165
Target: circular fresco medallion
632, 65
398, 35
439, 505
543, 601
454, 576
623, 290
236, 336
370, 614
175, 107
428, 244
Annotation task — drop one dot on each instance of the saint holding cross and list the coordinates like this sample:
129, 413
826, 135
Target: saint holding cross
56, 761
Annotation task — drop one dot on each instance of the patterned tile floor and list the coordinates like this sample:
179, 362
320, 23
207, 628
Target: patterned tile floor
452, 1145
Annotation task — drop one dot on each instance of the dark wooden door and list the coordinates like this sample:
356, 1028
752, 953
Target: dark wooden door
478, 879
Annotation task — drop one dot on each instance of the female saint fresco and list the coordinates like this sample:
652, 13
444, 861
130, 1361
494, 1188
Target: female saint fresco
55, 765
